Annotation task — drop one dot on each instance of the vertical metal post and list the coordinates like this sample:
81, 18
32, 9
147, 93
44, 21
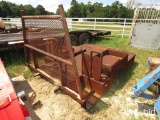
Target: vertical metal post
35, 61
26, 50
61, 73
124, 25
71, 52
71, 24
95, 24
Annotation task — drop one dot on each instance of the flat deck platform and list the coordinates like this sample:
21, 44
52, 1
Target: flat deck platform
11, 37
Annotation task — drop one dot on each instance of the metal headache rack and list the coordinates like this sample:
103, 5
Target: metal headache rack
48, 51
86, 72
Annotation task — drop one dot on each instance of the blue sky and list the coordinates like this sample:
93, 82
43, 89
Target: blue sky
51, 5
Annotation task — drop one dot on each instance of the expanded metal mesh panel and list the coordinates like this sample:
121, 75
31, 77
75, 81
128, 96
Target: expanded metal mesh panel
51, 67
145, 27
47, 35
68, 75
148, 14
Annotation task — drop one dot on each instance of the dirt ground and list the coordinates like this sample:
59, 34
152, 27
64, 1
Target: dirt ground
119, 105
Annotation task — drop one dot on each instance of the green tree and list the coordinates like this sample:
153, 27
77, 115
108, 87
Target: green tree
1, 12
115, 8
108, 11
89, 9
120, 11
29, 10
98, 10
74, 10
57, 11
14, 9
19, 7
50, 13
40, 10
82, 8
5, 8
8, 9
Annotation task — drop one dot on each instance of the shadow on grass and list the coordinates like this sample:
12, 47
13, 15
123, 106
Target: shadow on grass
10, 57
146, 108
98, 39
123, 76
99, 107
14, 61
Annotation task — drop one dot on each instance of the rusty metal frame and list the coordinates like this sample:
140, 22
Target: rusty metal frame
32, 51
107, 67
48, 51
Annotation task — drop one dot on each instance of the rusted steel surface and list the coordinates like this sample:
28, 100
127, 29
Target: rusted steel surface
86, 72
48, 51
103, 65
42, 17
127, 58
47, 54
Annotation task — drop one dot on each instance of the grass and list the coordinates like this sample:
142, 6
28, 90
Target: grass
139, 69
115, 28
115, 103
123, 83
14, 62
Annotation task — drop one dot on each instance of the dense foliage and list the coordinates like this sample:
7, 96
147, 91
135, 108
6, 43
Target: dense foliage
9, 10
116, 10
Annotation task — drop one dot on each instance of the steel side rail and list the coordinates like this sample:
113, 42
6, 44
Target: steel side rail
42, 17
50, 55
